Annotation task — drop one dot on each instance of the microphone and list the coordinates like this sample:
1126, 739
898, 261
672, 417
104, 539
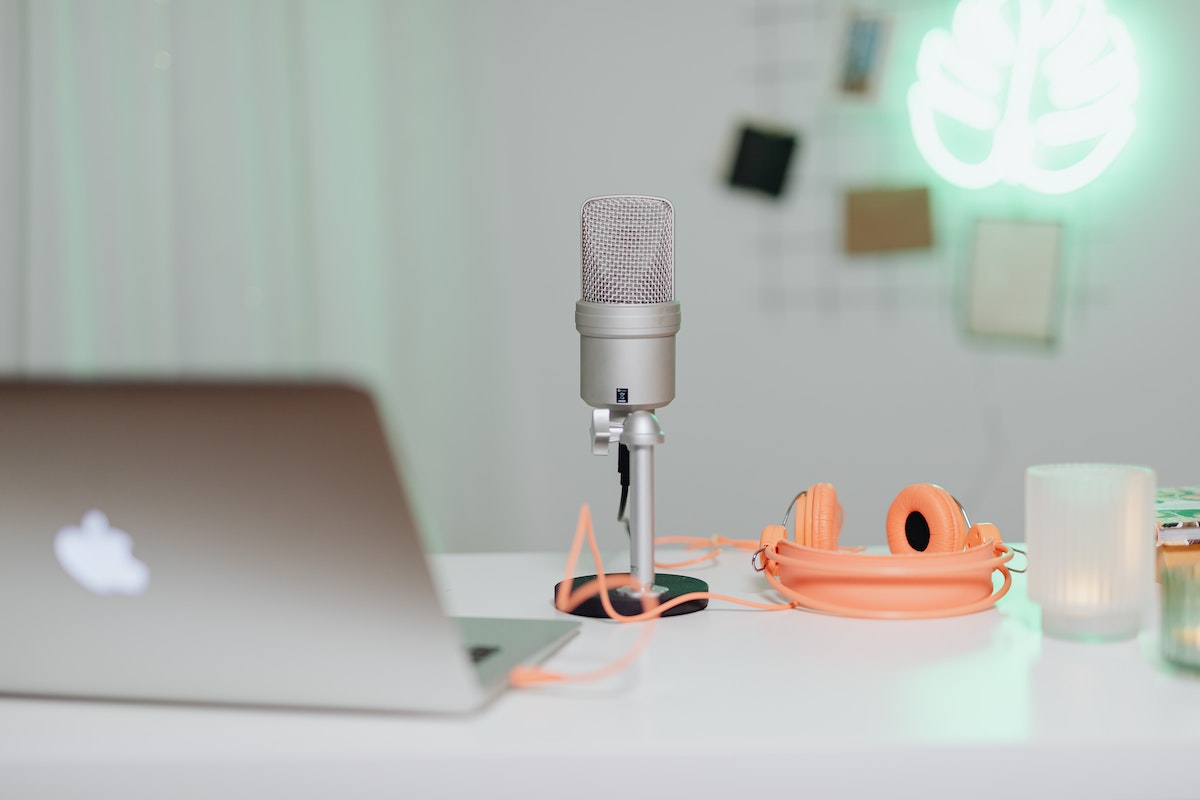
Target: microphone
627, 316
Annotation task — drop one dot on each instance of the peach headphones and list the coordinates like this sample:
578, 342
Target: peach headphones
940, 564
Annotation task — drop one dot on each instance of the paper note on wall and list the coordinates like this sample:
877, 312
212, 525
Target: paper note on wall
1014, 277
762, 159
887, 219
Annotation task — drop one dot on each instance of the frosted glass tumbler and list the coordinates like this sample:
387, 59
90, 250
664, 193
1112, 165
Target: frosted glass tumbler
1090, 533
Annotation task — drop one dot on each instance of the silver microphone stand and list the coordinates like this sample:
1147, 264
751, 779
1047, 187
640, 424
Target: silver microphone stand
640, 432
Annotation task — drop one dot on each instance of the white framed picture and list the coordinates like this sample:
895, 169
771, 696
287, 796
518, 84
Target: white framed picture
1014, 280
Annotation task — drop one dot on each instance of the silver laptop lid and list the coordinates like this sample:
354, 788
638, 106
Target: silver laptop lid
274, 556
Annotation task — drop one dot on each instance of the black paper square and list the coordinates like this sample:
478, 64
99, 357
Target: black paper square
762, 160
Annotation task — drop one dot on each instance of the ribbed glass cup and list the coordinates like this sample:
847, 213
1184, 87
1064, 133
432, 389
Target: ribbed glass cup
1090, 533
1180, 634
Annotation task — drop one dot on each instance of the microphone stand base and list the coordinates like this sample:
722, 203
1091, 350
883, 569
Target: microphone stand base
627, 603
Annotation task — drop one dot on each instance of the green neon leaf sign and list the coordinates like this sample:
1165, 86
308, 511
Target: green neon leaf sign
1024, 92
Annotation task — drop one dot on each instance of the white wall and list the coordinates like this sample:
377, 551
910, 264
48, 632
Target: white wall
428, 242
12, 173
808, 366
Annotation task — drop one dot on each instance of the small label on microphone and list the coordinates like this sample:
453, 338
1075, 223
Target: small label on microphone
622, 395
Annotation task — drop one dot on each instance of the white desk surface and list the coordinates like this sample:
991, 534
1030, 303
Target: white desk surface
725, 703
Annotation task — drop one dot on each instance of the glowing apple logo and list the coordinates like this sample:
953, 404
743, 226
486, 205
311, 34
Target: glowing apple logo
100, 557
1027, 92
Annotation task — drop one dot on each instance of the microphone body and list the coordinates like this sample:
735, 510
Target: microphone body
627, 355
627, 316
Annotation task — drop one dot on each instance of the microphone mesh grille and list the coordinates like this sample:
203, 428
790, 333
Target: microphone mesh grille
628, 250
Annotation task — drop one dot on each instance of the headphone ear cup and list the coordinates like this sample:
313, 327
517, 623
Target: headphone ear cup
981, 532
771, 536
825, 516
925, 519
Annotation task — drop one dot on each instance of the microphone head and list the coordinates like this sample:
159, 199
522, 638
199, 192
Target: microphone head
628, 250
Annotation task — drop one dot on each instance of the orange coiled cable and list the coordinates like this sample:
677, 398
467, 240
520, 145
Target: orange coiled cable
715, 543
567, 599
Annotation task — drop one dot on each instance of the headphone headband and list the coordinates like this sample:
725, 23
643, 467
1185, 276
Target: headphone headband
899, 565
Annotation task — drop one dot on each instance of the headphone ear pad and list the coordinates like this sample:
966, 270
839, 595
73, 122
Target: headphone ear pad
825, 516
803, 532
925, 519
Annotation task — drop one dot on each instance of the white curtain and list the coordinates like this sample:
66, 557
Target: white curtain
211, 187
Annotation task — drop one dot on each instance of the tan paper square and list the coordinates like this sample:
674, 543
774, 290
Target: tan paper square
879, 220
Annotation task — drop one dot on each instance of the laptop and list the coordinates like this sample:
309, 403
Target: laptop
231, 543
